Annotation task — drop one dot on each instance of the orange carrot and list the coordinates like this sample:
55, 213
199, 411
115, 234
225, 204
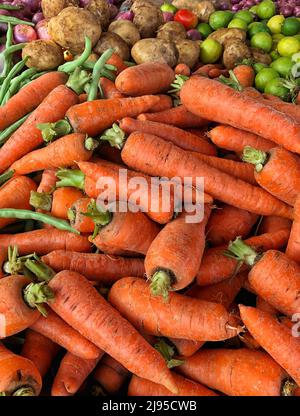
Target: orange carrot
18, 375
111, 375
40, 350
252, 92
202, 97
48, 181
29, 97
28, 136
245, 75
293, 247
109, 89
182, 69
280, 344
15, 194
227, 222
272, 223
181, 317
100, 267
181, 138
82, 98
116, 61
63, 199
177, 116
165, 103
263, 305
241, 372
3, 258
204, 69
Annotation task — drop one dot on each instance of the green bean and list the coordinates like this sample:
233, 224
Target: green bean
10, 7
6, 133
108, 74
8, 62
71, 66
39, 74
129, 63
98, 68
14, 71
12, 49
16, 82
6, 176
14, 20
24, 214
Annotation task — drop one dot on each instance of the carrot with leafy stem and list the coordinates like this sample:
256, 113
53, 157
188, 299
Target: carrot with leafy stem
18, 375
166, 159
174, 256
40, 350
239, 372
102, 268
293, 246
181, 317
111, 375
273, 276
277, 171
98, 321
280, 343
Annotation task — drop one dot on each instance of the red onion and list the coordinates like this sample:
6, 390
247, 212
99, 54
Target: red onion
42, 30
287, 10
297, 11
83, 3
24, 33
37, 17
168, 17
125, 16
113, 10
193, 34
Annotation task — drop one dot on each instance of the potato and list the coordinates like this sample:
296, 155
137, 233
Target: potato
51, 8
140, 3
223, 35
188, 51
155, 50
70, 27
171, 31
203, 9
43, 54
100, 9
260, 56
112, 40
148, 19
235, 51
126, 30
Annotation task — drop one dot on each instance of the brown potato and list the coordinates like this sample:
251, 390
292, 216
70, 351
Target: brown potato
148, 19
155, 50
43, 54
203, 9
112, 40
100, 9
223, 35
70, 27
51, 8
171, 31
188, 51
235, 51
140, 3
126, 30
260, 56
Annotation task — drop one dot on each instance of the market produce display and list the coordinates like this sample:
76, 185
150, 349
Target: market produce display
149, 198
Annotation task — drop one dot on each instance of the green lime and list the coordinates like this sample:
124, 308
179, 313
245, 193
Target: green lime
290, 27
204, 29
166, 7
244, 15
277, 37
264, 76
262, 41
238, 24
258, 66
253, 9
266, 9
297, 37
275, 87
282, 65
210, 51
274, 55
275, 23
220, 19
288, 46
257, 27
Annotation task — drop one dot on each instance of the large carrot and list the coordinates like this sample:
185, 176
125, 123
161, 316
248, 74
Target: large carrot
231, 138
154, 156
15, 194
108, 88
54, 328
28, 136
40, 350
18, 375
203, 96
174, 256
63, 199
275, 338
293, 247
273, 223
177, 116
241, 372
181, 317
97, 267
141, 387
29, 97
227, 222
95, 116
44, 241
277, 171
216, 267
181, 138
245, 75
165, 103
111, 375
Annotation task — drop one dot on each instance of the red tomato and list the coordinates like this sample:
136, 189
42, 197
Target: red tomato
187, 18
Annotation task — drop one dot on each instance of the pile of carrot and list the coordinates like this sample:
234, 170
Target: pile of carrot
142, 301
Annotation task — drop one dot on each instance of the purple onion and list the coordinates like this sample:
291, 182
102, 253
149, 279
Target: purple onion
42, 30
297, 11
83, 3
37, 17
113, 10
24, 33
129, 15
110, 1
168, 16
287, 10
32, 5
193, 34
249, 3
236, 7
235, 2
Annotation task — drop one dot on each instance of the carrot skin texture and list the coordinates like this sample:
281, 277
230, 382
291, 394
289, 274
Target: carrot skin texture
263, 305
97, 267
93, 117
99, 322
28, 137
165, 103
293, 246
40, 350
17, 372
245, 75
48, 181
241, 372
109, 89
29, 97
282, 346
132, 297
63, 199
111, 375
3, 258
273, 223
